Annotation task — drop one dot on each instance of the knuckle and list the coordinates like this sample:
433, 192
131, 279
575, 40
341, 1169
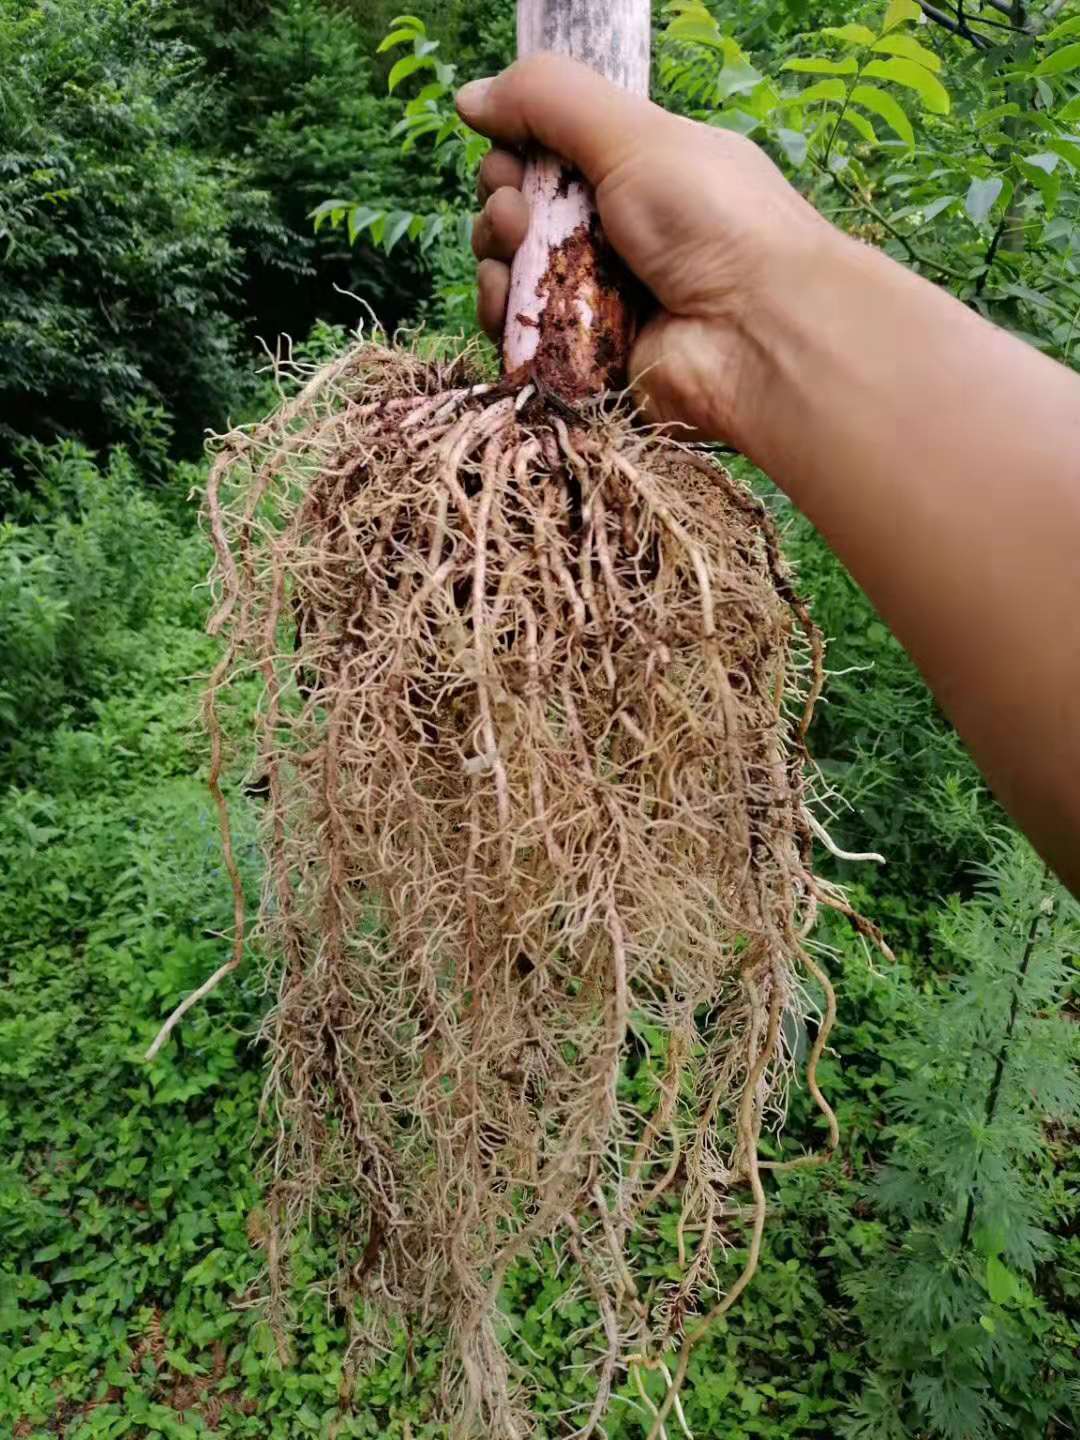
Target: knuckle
537, 73
478, 236
499, 207
486, 175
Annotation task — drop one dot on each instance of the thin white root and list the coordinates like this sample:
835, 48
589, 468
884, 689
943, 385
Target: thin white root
871, 857
677, 1403
637, 1362
189, 1004
653, 1409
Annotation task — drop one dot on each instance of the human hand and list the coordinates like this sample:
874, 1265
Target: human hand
701, 216
936, 454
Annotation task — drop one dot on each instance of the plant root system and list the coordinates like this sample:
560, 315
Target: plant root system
535, 689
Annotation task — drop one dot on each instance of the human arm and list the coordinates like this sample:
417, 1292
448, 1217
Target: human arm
938, 455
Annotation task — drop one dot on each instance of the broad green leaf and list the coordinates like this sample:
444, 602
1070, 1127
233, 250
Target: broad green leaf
416, 124
740, 121
760, 102
910, 48
914, 77
900, 12
1061, 62
1044, 161
397, 223
989, 1239
932, 210
1033, 297
696, 32
1059, 32
432, 230
821, 65
981, 195
1069, 150
360, 217
1070, 112
1059, 229
418, 129
412, 20
861, 125
1000, 1282
935, 208
395, 38
999, 112
795, 145
826, 91
850, 34
881, 103
332, 210
407, 66
1045, 181
738, 77
434, 91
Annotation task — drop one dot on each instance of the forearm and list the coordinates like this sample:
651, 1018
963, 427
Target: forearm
941, 459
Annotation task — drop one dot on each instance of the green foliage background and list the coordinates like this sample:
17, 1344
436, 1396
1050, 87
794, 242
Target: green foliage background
160, 161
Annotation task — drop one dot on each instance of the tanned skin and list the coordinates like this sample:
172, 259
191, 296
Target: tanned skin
938, 455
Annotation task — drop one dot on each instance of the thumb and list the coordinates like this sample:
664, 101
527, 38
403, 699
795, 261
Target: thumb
553, 101
678, 376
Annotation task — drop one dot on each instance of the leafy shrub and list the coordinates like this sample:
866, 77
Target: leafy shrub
305, 115
121, 262
92, 565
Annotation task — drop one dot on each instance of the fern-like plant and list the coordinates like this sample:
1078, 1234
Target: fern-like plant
961, 1341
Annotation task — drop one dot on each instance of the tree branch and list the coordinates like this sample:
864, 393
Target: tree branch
888, 225
956, 26
991, 253
1039, 22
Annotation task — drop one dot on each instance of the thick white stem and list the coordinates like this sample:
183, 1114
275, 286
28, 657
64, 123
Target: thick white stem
569, 318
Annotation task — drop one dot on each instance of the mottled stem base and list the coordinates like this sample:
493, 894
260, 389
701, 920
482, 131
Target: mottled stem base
570, 322
572, 316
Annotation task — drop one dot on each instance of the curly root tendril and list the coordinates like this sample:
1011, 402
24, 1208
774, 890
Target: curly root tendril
534, 697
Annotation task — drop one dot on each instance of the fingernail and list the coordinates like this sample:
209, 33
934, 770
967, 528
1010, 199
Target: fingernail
472, 98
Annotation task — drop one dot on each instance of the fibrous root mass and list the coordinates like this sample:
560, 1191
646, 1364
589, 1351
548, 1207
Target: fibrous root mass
534, 693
